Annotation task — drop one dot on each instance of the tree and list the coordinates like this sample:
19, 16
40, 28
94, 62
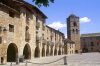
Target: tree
43, 2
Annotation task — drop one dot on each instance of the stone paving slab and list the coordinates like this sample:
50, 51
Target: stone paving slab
85, 59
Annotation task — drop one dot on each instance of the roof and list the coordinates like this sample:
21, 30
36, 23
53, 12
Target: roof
69, 41
90, 35
25, 4
8, 8
55, 30
34, 7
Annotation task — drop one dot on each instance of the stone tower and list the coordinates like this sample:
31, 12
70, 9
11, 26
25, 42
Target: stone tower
73, 31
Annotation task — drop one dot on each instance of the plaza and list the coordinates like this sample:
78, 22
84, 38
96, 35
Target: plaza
84, 59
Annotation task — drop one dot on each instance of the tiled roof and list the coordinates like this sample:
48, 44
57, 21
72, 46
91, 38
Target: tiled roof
68, 41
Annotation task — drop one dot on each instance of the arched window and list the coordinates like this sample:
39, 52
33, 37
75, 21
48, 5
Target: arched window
74, 24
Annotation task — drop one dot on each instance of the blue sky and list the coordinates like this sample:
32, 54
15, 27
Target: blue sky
88, 10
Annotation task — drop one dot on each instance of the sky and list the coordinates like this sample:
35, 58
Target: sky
87, 10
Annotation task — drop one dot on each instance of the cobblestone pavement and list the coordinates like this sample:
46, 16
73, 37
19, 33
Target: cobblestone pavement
85, 59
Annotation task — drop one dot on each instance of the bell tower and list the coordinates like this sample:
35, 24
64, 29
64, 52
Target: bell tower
73, 31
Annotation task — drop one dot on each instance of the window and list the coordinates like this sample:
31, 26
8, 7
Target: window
97, 44
92, 44
73, 30
11, 28
11, 14
76, 31
0, 40
5, 30
74, 24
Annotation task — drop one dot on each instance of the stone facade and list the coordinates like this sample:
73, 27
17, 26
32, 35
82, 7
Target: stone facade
90, 42
24, 34
69, 47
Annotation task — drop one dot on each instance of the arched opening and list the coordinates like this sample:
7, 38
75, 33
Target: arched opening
74, 24
65, 49
27, 52
37, 52
43, 52
59, 52
51, 52
85, 50
76, 51
2, 60
55, 51
12, 53
47, 51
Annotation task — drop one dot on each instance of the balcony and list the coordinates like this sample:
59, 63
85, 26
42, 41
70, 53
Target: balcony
44, 41
38, 39
50, 43
27, 36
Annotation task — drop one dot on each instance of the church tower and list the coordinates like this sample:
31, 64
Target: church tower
73, 31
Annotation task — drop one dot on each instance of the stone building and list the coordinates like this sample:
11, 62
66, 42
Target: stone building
73, 31
69, 47
24, 34
90, 42
55, 40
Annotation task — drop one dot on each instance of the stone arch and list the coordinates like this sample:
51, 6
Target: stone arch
27, 52
59, 51
37, 52
47, 51
43, 52
55, 51
12, 52
51, 51
63, 50
2, 60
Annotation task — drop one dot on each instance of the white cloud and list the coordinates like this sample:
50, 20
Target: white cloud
57, 25
85, 20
